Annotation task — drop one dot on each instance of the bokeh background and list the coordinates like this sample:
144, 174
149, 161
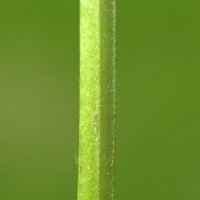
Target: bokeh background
158, 99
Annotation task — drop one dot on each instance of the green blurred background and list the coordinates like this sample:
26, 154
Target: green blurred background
158, 110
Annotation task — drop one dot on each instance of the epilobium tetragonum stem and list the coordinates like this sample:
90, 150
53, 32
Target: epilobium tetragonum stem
97, 99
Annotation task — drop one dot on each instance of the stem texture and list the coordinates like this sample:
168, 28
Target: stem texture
97, 99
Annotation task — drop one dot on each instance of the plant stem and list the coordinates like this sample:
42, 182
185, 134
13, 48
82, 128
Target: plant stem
97, 99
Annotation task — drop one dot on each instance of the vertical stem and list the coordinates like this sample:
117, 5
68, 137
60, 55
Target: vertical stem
97, 99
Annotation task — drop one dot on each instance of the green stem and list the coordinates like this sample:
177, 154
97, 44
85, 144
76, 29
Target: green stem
97, 99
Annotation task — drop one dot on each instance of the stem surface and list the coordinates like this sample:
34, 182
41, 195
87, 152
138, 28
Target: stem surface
97, 99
